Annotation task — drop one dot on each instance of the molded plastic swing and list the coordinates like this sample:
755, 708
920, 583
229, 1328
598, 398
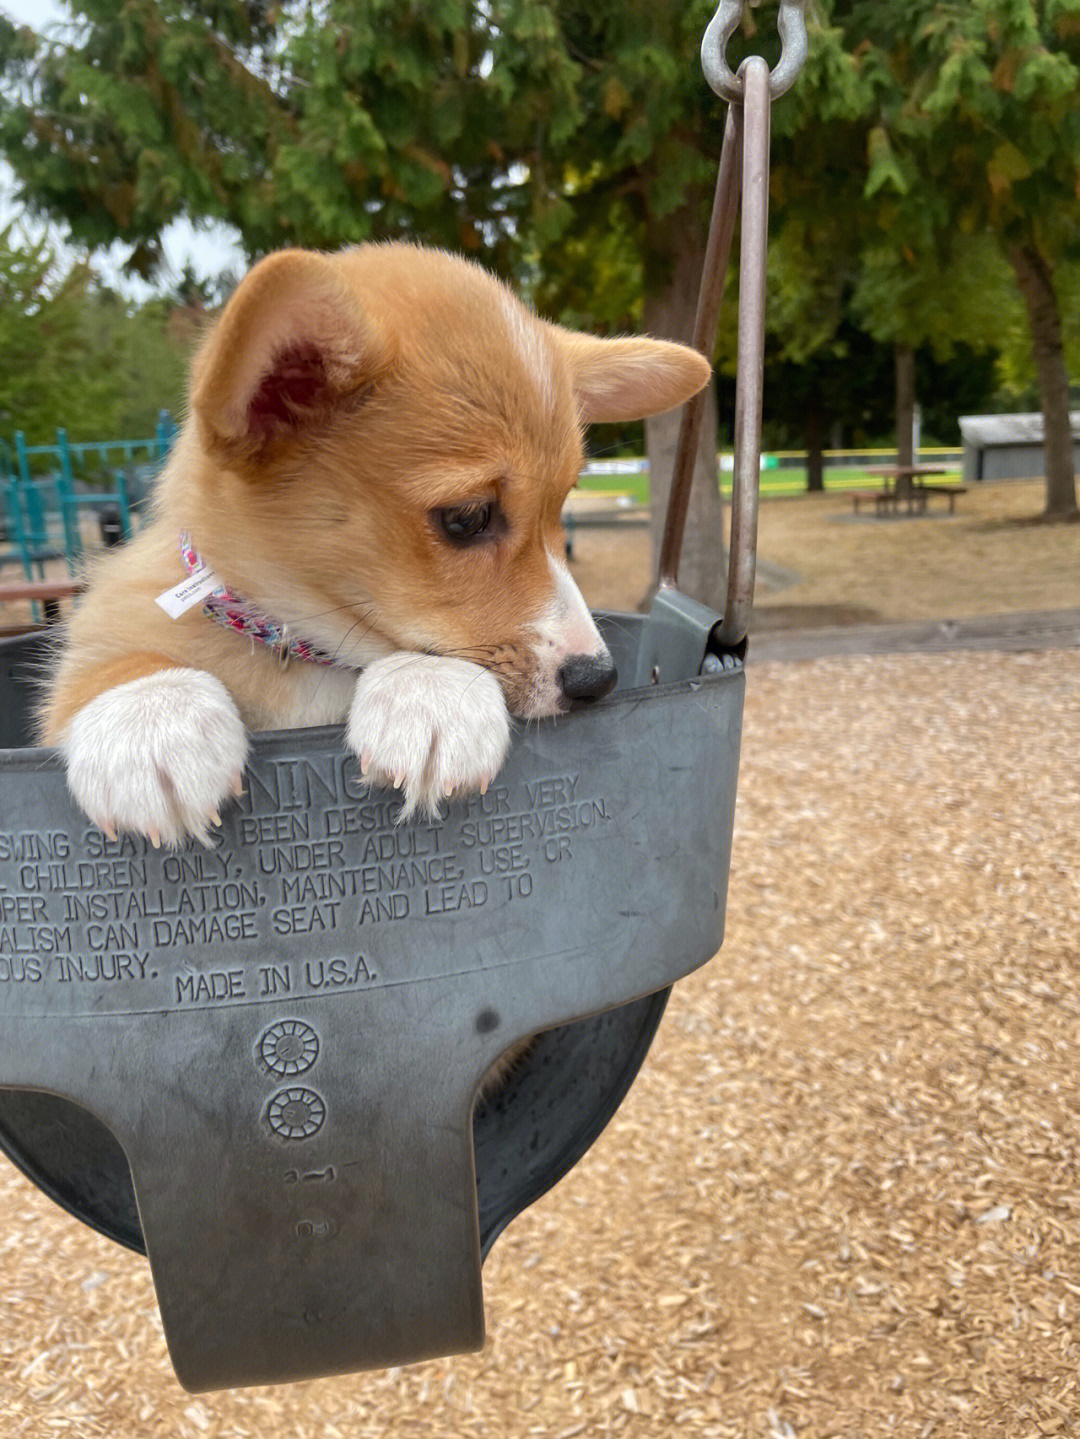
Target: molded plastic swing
259, 1064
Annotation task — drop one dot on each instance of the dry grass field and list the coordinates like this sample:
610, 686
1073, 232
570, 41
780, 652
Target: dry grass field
843, 1198
819, 564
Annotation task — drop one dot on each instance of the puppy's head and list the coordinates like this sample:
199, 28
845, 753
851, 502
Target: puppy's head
385, 441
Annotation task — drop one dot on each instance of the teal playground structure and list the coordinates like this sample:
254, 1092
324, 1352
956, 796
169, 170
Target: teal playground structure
45, 490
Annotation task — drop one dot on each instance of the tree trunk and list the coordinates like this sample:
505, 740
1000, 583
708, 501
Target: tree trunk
1036, 283
814, 434
669, 315
905, 405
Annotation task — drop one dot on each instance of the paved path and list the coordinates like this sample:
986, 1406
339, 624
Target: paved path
1036, 630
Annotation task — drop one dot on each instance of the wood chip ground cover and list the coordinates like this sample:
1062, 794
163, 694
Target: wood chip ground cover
843, 1197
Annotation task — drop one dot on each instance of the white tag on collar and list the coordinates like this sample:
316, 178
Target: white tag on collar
200, 583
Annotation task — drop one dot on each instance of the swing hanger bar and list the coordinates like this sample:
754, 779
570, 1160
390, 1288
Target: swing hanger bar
791, 23
744, 167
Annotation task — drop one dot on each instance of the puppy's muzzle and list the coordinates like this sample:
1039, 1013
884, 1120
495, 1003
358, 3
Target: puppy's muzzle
584, 678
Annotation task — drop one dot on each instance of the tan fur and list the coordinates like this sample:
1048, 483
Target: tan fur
88, 684
433, 387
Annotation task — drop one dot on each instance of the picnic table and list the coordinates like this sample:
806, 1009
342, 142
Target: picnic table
905, 485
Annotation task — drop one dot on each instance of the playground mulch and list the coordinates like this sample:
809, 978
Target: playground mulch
843, 1198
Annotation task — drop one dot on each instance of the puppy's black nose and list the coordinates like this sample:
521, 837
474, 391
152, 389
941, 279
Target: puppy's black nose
587, 677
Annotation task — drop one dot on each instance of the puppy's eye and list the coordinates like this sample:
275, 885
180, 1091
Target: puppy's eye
461, 524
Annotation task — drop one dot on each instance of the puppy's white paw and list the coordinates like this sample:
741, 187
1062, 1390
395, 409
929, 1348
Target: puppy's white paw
428, 725
159, 755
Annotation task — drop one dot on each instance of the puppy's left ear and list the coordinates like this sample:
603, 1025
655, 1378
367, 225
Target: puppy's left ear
292, 342
629, 379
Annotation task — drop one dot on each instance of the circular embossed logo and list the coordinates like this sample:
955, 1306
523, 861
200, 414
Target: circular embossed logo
289, 1047
296, 1112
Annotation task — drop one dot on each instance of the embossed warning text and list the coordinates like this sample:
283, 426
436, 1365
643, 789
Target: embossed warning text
313, 868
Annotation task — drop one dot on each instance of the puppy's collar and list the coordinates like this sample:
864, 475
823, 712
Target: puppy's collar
221, 604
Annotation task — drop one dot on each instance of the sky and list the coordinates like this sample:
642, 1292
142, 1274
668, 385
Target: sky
32, 12
208, 249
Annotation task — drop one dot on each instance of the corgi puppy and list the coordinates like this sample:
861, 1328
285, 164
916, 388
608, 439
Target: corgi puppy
365, 503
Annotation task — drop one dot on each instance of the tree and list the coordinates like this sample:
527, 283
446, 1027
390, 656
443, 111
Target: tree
972, 131
1017, 376
76, 355
51, 370
932, 297
298, 124
151, 345
500, 129
842, 383
630, 173
857, 248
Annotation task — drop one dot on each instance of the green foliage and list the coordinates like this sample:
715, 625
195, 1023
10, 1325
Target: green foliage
152, 344
979, 100
630, 169
922, 140
574, 147
75, 355
501, 126
960, 289
299, 124
50, 371
924, 145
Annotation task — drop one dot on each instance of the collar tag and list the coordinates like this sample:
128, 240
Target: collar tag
201, 582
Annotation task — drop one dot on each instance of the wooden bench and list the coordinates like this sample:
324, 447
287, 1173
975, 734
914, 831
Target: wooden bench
915, 499
951, 491
47, 593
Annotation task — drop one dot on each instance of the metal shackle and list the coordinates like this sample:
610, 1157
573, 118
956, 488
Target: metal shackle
791, 23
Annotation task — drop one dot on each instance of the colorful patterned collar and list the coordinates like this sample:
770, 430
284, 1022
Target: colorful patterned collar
220, 604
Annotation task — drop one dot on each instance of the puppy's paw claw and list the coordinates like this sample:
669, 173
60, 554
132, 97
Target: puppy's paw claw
429, 726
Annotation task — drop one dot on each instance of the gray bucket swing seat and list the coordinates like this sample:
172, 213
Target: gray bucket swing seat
259, 1064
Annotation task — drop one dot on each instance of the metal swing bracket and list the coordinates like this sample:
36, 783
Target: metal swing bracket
742, 186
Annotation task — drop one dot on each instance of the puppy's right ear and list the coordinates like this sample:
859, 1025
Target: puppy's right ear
292, 342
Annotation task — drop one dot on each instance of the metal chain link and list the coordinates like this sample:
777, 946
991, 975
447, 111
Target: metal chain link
791, 23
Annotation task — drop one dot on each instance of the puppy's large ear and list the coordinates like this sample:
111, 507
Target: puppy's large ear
629, 379
291, 342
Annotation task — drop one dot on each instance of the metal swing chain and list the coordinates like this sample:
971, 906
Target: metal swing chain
744, 164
